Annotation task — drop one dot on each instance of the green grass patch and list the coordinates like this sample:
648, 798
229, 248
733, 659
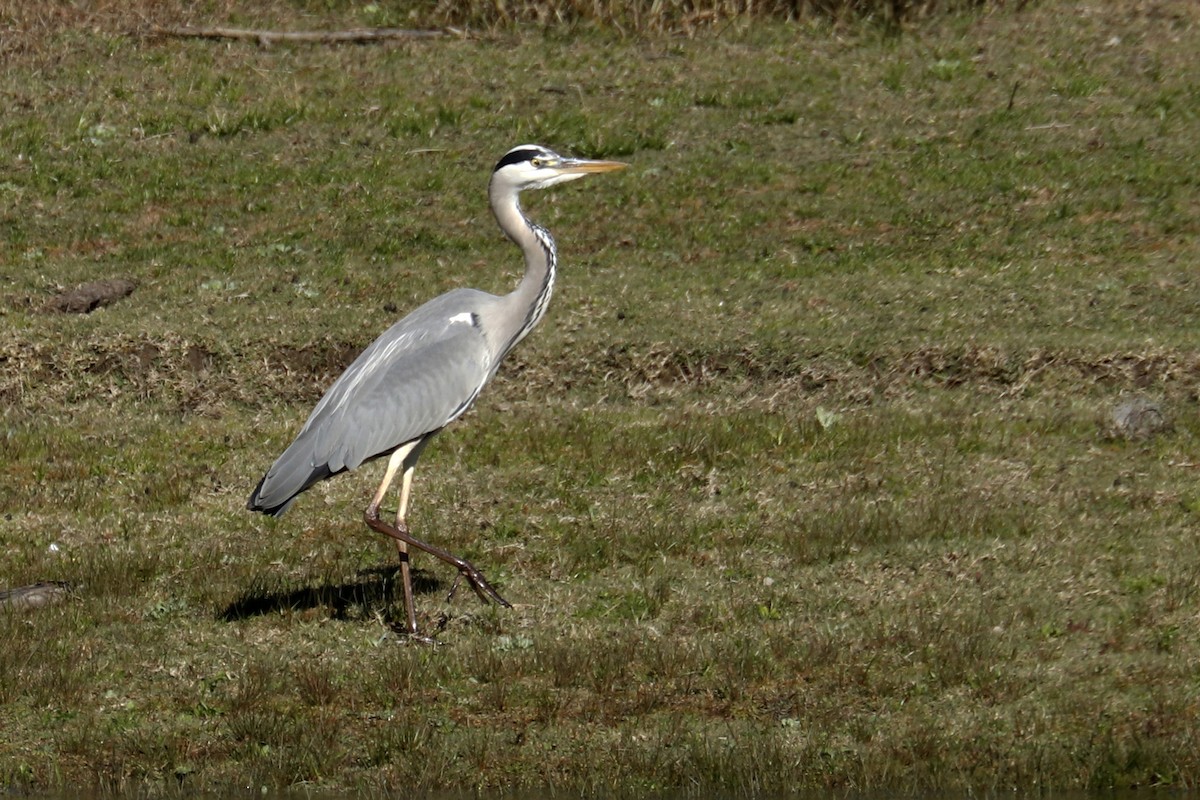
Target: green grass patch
809, 480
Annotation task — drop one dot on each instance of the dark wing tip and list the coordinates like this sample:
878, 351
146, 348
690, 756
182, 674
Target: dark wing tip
256, 503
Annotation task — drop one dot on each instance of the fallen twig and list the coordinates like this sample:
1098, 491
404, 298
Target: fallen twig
356, 35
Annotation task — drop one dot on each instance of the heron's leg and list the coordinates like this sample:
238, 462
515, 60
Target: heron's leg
468, 570
402, 536
402, 548
394, 463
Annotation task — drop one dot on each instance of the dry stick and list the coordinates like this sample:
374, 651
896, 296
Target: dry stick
321, 37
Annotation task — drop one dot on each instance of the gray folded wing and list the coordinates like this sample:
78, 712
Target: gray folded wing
421, 374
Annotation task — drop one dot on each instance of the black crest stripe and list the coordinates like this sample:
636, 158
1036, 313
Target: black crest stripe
517, 156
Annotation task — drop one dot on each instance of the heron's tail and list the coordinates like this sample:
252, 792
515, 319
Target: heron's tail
284, 482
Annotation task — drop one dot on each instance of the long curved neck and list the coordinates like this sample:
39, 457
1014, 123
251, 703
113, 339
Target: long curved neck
526, 304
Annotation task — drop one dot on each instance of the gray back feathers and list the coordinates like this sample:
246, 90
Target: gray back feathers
420, 375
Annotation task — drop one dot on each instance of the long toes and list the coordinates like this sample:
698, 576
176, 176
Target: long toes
483, 588
493, 595
416, 638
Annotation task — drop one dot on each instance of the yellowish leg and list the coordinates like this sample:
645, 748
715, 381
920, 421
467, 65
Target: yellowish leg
402, 547
393, 466
404, 537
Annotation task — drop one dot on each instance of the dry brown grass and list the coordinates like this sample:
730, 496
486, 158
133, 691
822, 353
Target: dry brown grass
23, 24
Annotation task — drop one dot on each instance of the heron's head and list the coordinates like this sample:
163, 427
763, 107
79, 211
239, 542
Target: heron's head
531, 166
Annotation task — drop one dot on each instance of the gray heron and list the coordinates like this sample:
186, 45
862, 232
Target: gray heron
426, 370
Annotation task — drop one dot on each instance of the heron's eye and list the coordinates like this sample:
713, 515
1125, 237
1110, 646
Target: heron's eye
536, 162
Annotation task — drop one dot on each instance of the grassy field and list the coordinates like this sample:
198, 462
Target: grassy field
810, 478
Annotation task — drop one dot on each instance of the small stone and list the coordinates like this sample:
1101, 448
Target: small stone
1139, 418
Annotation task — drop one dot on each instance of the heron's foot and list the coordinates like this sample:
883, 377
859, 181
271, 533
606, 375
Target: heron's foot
478, 583
465, 568
412, 637
406, 628
407, 633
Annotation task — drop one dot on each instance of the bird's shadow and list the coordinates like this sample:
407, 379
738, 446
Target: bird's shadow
375, 589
